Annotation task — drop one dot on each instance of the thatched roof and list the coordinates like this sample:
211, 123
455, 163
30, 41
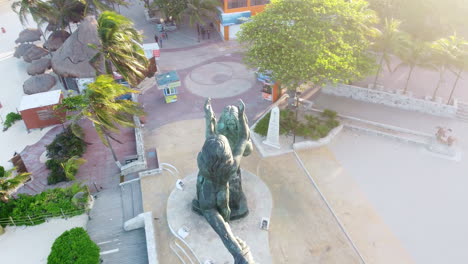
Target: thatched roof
72, 59
56, 40
39, 83
21, 49
29, 35
39, 66
34, 53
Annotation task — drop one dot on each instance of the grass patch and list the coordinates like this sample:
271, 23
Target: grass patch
314, 127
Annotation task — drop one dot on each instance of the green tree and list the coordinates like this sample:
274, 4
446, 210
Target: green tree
199, 10
444, 56
100, 104
9, 181
413, 53
120, 48
170, 8
310, 41
61, 13
71, 166
388, 41
460, 64
24, 8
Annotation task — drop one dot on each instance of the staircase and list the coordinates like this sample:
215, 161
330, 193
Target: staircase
185, 254
462, 111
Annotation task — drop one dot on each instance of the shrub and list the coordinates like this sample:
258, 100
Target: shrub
74, 247
314, 127
262, 126
2, 171
10, 119
50, 202
65, 146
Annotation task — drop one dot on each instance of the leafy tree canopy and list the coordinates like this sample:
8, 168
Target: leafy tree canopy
310, 40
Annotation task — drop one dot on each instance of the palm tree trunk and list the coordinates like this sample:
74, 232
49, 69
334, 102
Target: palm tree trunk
441, 74
111, 149
378, 70
407, 79
108, 66
454, 86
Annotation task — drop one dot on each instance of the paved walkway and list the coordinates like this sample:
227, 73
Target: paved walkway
302, 228
106, 229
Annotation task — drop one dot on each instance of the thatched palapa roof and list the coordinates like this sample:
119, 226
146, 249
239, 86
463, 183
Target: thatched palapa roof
39, 66
29, 35
56, 40
22, 49
39, 83
72, 59
34, 53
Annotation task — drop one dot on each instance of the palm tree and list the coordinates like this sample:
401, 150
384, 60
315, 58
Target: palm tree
9, 181
198, 10
413, 53
444, 55
23, 8
461, 63
388, 41
71, 166
100, 104
120, 48
61, 13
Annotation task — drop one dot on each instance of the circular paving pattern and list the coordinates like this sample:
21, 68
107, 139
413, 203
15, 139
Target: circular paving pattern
220, 79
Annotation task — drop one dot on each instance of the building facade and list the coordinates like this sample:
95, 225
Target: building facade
235, 12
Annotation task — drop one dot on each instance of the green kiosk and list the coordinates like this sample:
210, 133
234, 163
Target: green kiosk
169, 82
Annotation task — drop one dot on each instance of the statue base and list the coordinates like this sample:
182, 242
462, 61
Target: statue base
203, 240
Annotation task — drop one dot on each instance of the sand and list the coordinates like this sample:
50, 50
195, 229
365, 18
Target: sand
421, 197
24, 245
12, 75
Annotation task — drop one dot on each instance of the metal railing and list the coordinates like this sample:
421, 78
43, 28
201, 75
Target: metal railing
30, 220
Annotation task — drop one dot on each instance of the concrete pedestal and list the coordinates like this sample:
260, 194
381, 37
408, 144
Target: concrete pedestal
203, 240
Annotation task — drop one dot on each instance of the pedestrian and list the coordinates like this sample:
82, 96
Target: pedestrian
156, 39
160, 41
3, 30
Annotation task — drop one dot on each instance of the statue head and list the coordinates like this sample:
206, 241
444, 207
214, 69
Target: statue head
215, 159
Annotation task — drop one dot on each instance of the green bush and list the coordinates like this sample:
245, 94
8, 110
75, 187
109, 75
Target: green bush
74, 247
314, 127
50, 202
2, 171
10, 119
262, 126
65, 146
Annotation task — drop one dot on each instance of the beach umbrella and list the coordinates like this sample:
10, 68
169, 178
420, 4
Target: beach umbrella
29, 35
56, 40
34, 53
39, 66
21, 49
39, 83
72, 58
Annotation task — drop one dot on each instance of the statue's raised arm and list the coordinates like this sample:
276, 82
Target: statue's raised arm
244, 133
210, 119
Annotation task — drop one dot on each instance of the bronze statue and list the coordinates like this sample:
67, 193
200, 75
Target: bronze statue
218, 163
229, 126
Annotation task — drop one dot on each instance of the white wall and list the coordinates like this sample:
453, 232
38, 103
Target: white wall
233, 29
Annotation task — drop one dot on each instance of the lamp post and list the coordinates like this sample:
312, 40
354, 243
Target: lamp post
296, 107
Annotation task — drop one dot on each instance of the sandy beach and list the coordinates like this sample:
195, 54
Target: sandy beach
419, 195
32, 244
13, 74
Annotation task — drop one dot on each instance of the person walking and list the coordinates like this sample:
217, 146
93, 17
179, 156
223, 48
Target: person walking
161, 41
156, 39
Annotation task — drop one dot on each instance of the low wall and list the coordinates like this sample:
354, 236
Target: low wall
145, 220
140, 163
318, 143
391, 99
